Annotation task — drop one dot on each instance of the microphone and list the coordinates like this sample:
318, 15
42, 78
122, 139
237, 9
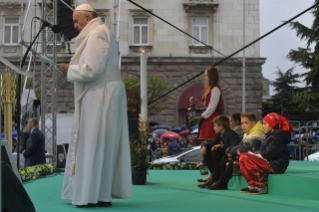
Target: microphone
55, 28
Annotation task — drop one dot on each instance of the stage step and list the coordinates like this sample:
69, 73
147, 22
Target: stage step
301, 180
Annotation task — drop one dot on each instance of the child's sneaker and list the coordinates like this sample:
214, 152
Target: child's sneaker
245, 190
256, 191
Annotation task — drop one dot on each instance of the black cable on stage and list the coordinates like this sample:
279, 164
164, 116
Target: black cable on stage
228, 57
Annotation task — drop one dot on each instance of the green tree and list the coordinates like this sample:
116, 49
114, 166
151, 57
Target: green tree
155, 87
284, 87
308, 58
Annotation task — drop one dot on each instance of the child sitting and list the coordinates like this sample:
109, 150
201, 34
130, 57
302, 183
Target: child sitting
253, 131
273, 156
213, 152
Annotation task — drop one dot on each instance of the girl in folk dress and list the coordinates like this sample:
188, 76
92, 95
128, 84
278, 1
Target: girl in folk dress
213, 104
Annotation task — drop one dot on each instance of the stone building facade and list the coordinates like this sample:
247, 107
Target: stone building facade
172, 55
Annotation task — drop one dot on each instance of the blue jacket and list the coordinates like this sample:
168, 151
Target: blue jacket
173, 148
275, 150
35, 149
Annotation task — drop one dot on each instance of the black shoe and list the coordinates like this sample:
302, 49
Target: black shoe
244, 190
209, 182
201, 181
255, 191
218, 186
99, 204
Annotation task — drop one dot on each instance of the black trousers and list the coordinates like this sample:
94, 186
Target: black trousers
212, 158
222, 172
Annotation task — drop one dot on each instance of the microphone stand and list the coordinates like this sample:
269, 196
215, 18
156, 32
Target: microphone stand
19, 94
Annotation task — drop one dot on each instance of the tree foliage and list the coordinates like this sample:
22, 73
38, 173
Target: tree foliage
155, 88
308, 58
284, 87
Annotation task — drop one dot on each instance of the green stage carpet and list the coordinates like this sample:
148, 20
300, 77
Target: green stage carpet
176, 190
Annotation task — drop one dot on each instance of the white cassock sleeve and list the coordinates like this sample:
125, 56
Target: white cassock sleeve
214, 100
95, 57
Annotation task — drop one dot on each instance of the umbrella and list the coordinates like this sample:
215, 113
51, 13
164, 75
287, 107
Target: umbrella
161, 126
159, 132
177, 129
153, 123
195, 131
170, 134
185, 133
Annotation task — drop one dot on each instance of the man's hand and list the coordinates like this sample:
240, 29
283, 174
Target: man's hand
216, 146
238, 152
23, 151
203, 151
63, 67
229, 155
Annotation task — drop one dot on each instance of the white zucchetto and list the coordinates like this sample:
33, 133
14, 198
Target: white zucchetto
85, 7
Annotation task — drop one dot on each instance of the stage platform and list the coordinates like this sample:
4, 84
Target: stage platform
176, 190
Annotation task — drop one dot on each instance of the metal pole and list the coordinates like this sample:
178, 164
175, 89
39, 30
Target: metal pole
25, 18
43, 88
115, 6
34, 34
144, 85
55, 21
19, 91
118, 21
67, 5
0, 146
118, 32
244, 62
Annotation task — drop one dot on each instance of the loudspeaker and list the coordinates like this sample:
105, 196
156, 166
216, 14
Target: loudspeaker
14, 197
6, 156
62, 153
65, 20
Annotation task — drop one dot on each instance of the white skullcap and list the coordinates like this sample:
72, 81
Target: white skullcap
85, 7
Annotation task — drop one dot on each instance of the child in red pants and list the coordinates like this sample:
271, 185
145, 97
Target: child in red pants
272, 158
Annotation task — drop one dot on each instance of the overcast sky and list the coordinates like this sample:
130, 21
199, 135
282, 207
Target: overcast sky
276, 46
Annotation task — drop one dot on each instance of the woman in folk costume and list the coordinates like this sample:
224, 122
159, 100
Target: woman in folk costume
98, 164
213, 104
272, 158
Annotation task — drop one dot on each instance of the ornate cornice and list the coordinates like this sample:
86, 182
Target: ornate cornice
139, 13
198, 4
13, 4
104, 12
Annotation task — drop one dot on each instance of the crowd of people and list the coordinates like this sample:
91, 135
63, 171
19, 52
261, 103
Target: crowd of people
162, 147
303, 150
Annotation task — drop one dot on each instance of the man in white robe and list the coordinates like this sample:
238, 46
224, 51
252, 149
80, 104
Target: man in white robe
98, 164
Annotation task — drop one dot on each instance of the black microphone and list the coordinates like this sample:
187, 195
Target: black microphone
55, 28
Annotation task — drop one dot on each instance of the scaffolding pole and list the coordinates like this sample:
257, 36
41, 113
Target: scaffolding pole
49, 78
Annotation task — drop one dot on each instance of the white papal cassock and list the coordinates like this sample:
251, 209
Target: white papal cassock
98, 164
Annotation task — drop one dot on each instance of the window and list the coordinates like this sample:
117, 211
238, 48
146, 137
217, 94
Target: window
200, 30
103, 18
11, 31
140, 31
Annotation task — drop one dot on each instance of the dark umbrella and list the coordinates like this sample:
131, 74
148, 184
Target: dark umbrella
159, 132
153, 123
177, 129
161, 126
